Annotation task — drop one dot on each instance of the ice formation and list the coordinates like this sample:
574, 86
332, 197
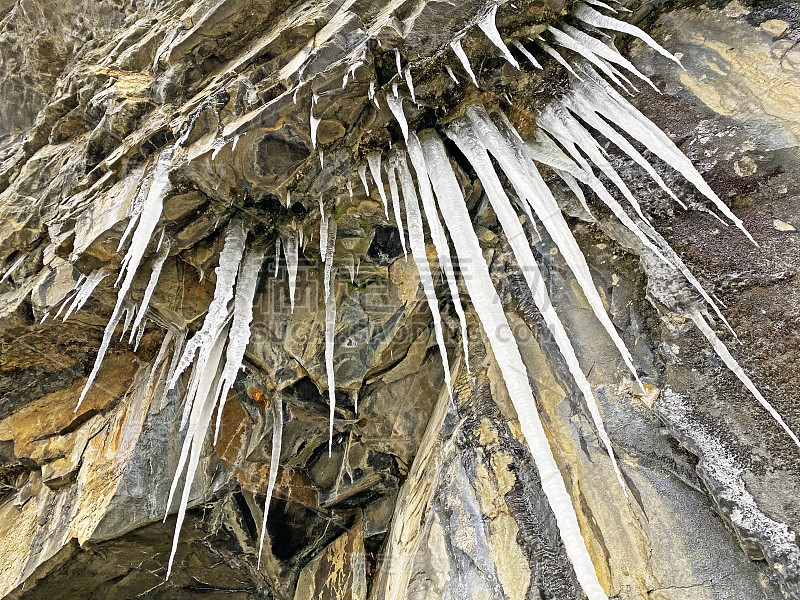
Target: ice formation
489, 309
239, 334
290, 250
396, 208
330, 326
374, 161
489, 28
13, 267
148, 220
416, 236
462, 56
275, 455
84, 291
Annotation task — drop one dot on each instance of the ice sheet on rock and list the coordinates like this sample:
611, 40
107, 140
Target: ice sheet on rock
489, 28
531, 59
374, 161
274, 461
192, 447
291, 251
466, 136
438, 236
501, 338
148, 219
416, 237
396, 106
592, 17
736, 369
216, 318
462, 56
239, 334
396, 206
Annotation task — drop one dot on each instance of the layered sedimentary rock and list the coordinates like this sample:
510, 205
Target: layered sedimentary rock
419, 495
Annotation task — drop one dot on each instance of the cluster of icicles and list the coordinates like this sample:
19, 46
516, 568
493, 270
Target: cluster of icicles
431, 196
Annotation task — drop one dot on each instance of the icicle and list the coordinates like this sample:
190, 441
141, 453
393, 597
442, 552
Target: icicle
371, 91
288, 198
601, 5
330, 329
608, 53
321, 159
290, 251
195, 436
576, 190
462, 56
301, 234
619, 111
410, 84
362, 173
314, 126
323, 231
374, 160
169, 337
589, 15
452, 75
582, 107
518, 45
13, 267
396, 207
150, 215
239, 334
489, 28
554, 53
597, 186
438, 236
155, 273
501, 338
548, 211
396, 106
736, 369
416, 238
235, 141
562, 39
87, 288
349, 188
217, 316
397, 61
277, 256
277, 438
351, 267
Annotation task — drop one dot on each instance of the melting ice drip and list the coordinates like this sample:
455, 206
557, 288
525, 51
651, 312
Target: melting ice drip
424, 171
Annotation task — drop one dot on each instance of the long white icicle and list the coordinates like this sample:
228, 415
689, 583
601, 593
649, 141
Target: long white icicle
239, 335
330, 327
277, 439
733, 365
501, 338
291, 251
148, 219
396, 208
470, 146
438, 237
489, 28
374, 161
462, 56
416, 237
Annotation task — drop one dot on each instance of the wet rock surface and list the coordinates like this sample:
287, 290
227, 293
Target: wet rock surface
421, 496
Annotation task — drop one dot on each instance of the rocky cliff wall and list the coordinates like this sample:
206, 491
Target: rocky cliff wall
421, 496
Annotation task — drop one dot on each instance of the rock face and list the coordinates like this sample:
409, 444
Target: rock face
420, 495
